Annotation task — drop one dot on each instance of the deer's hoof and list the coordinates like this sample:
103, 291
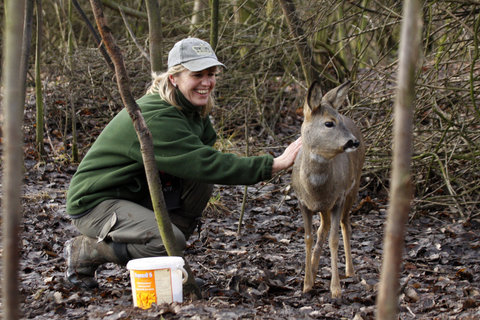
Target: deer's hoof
307, 288
350, 274
336, 292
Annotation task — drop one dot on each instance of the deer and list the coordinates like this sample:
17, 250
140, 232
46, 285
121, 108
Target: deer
326, 177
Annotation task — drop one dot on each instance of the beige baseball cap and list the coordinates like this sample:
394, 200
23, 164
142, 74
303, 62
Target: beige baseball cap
194, 54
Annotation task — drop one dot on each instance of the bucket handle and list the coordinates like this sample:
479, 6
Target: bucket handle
185, 275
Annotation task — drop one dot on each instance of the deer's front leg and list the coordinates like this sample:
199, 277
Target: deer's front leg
335, 288
309, 280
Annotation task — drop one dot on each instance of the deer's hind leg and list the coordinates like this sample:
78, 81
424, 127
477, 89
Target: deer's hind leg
347, 236
309, 279
335, 288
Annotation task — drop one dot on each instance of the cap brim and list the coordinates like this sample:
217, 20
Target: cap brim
202, 64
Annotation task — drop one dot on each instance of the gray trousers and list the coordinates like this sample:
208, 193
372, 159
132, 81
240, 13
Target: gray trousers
134, 225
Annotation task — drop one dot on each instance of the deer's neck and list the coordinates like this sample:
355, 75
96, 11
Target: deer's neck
315, 168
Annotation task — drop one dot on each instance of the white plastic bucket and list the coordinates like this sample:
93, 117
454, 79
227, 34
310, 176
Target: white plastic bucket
157, 280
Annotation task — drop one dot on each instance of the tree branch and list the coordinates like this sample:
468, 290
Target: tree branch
146, 143
95, 35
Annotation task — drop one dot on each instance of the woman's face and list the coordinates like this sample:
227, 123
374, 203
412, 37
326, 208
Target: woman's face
196, 86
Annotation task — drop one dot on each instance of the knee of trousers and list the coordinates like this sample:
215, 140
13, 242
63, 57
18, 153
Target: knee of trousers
155, 246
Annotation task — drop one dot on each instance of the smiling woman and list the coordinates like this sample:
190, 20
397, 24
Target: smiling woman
196, 86
192, 66
108, 198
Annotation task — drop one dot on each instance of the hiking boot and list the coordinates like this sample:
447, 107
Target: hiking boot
84, 255
200, 282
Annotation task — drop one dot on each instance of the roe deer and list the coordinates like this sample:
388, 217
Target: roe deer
326, 177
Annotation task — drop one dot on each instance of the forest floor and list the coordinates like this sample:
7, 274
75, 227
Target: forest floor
258, 275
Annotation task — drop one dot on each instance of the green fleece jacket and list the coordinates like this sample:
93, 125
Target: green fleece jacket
183, 144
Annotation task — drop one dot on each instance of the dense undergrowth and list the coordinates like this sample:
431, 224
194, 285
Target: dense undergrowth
263, 83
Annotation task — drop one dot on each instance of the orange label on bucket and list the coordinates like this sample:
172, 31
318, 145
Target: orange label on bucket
152, 286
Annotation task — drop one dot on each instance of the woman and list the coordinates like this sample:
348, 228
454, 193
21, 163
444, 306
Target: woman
108, 198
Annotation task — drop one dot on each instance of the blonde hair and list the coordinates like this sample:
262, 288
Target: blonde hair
162, 86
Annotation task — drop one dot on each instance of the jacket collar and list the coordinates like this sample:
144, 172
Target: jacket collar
187, 107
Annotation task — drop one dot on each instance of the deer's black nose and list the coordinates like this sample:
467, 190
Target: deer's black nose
351, 144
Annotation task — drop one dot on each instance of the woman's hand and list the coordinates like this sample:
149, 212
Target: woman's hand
287, 158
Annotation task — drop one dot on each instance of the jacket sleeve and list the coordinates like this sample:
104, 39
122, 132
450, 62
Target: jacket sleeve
181, 153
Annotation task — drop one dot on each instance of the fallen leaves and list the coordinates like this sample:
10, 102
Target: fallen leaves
259, 274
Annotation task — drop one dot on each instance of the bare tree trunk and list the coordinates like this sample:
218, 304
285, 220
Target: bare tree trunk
401, 185
303, 50
27, 38
146, 143
39, 121
155, 35
198, 7
214, 24
13, 101
70, 33
71, 106
241, 16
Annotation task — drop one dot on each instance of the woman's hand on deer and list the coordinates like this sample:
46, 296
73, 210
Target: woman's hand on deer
287, 158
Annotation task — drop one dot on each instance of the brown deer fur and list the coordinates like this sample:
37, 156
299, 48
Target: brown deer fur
326, 176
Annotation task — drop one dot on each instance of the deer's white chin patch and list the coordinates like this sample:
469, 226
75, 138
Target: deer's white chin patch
317, 158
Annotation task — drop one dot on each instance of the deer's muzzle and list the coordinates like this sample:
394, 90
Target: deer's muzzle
351, 144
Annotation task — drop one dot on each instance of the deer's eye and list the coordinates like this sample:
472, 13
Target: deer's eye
329, 124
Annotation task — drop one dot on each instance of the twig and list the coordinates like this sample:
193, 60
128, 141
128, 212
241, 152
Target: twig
132, 35
92, 30
132, 12
245, 190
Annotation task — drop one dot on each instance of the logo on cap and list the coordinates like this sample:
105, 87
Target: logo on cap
202, 50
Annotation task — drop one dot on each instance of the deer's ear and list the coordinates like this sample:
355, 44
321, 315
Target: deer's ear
337, 96
314, 96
